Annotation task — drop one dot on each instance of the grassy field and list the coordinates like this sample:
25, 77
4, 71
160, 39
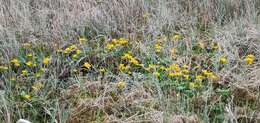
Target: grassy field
136, 61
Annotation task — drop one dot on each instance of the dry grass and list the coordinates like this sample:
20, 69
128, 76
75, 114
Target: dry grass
233, 24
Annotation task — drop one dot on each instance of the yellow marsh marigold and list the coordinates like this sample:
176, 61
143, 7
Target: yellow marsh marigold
250, 59
70, 48
87, 65
114, 41
123, 67
215, 46
206, 72
157, 74
110, 46
122, 41
157, 47
121, 84
187, 77
213, 77
209, 74
134, 61
199, 78
74, 56
78, 51
223, 60
29, 63
30, 55
26, 96
16, 62
127, 56
38, 74
174, 67
46, 60
185, 71
176, 37
162, 68
175, 74
24, 72
129, 73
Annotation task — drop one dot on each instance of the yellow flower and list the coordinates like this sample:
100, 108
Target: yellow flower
27, 97
185, 71
74, 56
205, 72
157, 74
46, 60
110, 46
29, 63
121, 84
213, 77
114, 41
72, 47
38, 74
134, 61
16, 62
82, 40
29, 55
178, 73
176, 37
215, 46
78, 51
122, 41
199, 77
158, 47
187, 77
163, 68
129, 72
87, 65
174, 67
24, 72
185, 66
127, 56
69, 49
42, 70
123, 67
223, 60
175, 74
250, 59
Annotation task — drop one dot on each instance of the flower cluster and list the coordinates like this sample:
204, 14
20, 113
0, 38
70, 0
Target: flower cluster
117, 42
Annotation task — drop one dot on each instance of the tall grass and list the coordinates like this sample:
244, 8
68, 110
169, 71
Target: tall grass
234, 24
